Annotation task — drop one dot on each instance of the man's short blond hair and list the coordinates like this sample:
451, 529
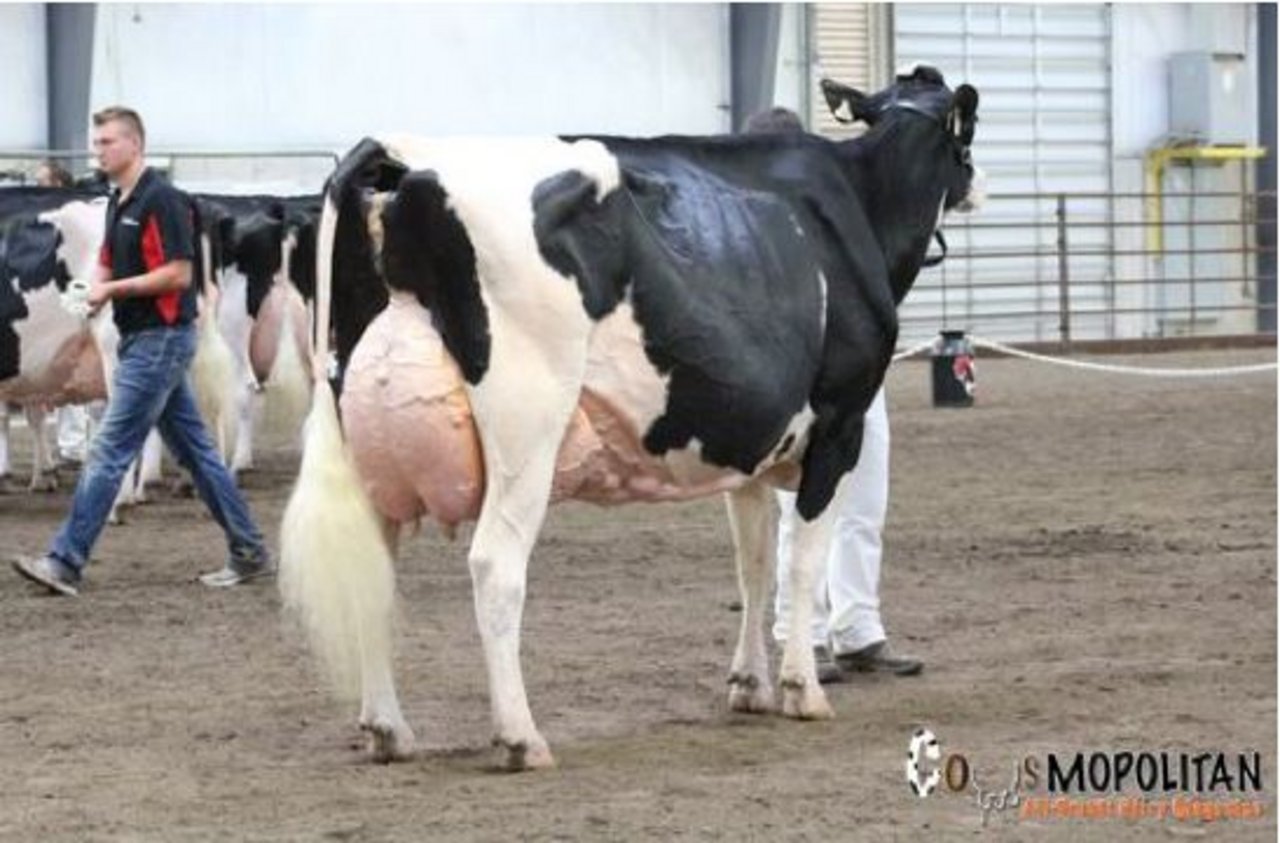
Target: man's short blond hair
127, 116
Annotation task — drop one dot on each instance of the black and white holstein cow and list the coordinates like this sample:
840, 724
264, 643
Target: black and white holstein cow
604, 319
48, 357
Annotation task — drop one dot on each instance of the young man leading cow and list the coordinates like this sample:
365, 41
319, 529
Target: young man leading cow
145, 271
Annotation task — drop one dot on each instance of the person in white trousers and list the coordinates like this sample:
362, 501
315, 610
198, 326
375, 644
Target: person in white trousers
847, 633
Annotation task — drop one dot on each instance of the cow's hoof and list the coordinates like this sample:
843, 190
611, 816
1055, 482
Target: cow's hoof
803, 700
44, 483
750, 694
8, 487
518, 756
389, 742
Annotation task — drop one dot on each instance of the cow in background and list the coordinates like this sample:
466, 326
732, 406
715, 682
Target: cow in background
262, 251
604, 319
48, 357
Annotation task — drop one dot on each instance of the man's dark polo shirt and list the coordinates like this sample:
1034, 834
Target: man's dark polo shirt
152, 227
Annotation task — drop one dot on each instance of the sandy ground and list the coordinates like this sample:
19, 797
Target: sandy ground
1086, 562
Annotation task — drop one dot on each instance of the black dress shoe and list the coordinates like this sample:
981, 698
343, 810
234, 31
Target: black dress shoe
829, 673
878, 658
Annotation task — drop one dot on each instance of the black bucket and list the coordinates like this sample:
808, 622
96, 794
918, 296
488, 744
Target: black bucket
953, 370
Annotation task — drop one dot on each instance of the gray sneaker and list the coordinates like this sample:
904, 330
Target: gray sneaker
236, 572
50, 573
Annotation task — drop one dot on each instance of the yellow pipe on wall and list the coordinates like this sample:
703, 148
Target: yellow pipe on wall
1154, 164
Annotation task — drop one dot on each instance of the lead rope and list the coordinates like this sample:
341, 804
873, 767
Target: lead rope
942, 244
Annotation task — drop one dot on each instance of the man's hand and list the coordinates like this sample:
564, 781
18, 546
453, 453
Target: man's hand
75, 298
99, 294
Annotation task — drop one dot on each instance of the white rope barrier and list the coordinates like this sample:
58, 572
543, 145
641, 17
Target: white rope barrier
914, 350
1145, 371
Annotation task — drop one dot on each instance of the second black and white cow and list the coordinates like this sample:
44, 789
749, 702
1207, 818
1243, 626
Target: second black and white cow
48, 357
607, 319
262, 251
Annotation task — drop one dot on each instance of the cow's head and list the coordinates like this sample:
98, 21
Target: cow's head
922, 93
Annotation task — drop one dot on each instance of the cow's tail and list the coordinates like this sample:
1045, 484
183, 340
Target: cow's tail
289, 383
213, 371
335, 568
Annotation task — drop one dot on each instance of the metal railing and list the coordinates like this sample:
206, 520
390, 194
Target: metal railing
1060, 267
212, 170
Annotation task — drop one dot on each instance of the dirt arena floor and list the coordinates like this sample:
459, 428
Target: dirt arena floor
1086, 562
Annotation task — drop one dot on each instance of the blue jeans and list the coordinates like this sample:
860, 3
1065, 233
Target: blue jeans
151, 390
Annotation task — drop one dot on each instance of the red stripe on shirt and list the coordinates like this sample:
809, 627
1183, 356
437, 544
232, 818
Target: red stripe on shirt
153, 258
152, 246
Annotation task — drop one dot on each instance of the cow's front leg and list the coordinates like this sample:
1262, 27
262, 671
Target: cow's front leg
6, 484
43, 476
751, 515
802, 695
149, 469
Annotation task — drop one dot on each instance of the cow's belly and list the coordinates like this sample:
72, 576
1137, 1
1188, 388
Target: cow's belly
411, 432
602, 458
59, 362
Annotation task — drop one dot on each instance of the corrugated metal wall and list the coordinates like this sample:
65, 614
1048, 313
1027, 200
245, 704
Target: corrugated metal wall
1044, 76
845, 49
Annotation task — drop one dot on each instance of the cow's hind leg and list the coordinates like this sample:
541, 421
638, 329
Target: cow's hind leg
390, 738
751, 515
519, 465
499, 556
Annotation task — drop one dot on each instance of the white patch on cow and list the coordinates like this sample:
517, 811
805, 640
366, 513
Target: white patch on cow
235, 327
619, 370
822, 309
82, 225
977, 195
45, 332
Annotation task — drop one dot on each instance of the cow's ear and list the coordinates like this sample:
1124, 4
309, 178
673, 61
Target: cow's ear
843, 100
964, 109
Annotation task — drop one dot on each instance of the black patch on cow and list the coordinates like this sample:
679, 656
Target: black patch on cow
9, 359
724, 239
726, 290
583, 238
359, 293
302, 216
31, 255
426, 251
255, 251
